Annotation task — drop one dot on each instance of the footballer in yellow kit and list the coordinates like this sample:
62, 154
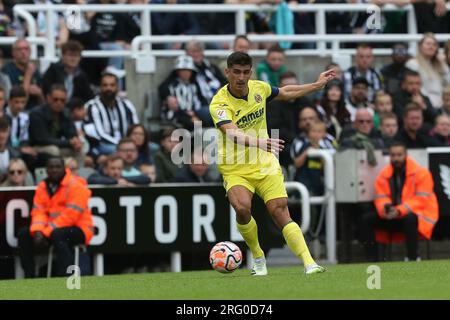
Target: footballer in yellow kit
246, 155
258, 170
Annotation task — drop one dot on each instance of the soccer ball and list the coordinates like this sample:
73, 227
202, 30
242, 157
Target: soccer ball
225, 257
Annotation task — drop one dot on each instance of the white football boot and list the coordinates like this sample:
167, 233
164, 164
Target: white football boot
259, 267
314, 268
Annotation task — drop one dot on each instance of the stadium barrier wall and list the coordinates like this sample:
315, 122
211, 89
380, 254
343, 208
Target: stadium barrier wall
159, 218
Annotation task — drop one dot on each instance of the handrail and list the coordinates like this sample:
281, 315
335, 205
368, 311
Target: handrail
139, 40
23, 10
222, 8
31, 25
329, 200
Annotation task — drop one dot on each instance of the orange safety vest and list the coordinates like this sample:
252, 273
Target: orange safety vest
417, 197
67, 207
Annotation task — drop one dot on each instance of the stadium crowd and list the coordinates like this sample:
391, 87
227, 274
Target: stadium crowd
62, 112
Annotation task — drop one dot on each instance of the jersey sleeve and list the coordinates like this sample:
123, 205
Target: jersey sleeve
220, 113
270, 92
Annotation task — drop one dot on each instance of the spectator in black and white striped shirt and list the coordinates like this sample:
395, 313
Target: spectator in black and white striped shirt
108, 117
363, 69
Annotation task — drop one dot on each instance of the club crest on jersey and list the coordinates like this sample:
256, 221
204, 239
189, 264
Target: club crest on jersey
221, 114
258, 98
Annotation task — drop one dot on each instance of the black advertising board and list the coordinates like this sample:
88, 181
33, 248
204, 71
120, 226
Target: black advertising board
161, 218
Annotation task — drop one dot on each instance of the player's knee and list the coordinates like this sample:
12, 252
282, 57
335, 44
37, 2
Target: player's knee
278, 206
243, 211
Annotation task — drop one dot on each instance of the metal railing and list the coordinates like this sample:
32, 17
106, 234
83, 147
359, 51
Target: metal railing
320, 37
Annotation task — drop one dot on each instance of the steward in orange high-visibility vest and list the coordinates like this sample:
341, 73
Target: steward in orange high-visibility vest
417, 197
406, 206
68, 207
60, 217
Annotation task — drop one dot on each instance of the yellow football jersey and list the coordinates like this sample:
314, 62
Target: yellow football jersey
249, 114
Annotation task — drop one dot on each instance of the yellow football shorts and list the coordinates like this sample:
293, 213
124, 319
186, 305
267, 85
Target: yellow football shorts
268, 187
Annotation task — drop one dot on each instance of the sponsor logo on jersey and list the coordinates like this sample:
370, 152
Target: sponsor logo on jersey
237, 113
250, 117
258, 98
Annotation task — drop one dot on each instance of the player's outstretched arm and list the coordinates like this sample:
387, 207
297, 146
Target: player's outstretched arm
291, 92
239, 137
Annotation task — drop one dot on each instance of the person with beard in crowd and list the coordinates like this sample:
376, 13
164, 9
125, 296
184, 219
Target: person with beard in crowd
406, 206
108, 118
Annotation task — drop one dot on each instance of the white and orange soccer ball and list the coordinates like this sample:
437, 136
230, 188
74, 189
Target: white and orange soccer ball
225, 257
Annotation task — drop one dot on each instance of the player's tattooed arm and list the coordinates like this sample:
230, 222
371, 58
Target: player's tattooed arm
240, 137
291, 92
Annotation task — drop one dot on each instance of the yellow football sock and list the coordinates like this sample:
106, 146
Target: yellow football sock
296, 242
249, 232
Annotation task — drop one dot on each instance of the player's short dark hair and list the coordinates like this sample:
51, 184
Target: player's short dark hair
17, 92
411, 107
239, 58
409, 73
4, 124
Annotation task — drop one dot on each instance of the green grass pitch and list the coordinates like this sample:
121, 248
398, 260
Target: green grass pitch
399, 280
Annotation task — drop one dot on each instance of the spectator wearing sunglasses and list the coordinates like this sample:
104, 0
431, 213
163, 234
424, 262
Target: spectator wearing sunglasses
17, 174
52, 131
362, 135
